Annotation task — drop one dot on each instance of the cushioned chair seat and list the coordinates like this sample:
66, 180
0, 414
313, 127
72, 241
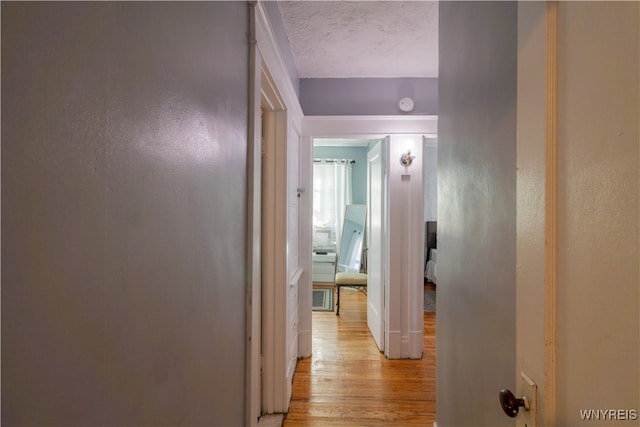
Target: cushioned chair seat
356, 280
351, 278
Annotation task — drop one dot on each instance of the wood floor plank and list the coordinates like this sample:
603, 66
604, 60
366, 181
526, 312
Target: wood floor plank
348, 382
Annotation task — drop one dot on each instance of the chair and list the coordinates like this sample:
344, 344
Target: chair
351, 280
351, 256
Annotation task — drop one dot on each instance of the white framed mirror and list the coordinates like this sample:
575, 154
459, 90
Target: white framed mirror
352, 239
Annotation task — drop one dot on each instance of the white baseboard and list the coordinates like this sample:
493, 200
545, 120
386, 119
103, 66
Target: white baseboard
394, 345
304, 343
416, 345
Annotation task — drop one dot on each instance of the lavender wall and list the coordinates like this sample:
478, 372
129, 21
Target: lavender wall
476, 211
124, 137
367, 96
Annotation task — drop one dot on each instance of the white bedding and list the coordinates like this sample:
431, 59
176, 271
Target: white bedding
430, 270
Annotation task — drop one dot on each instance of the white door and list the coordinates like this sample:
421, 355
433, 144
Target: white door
376, 242
294, 270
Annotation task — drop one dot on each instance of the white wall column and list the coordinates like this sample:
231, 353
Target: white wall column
406, 249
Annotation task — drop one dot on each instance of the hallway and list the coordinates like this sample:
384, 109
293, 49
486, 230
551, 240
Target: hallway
348, 382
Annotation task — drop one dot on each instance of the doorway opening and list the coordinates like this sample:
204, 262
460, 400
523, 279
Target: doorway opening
403, 302
342, 238
342, 343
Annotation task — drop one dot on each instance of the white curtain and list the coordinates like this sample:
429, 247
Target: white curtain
331, 195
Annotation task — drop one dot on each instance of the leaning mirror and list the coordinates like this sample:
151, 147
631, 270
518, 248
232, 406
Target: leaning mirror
351, 241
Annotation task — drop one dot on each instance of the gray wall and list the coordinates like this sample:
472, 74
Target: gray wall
359, 171
367, 96
124, 135
476, 211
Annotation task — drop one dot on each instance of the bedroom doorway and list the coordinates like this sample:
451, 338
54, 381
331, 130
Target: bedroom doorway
343, 181
341, 344
405, 339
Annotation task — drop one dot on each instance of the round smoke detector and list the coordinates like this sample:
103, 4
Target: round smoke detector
406, 104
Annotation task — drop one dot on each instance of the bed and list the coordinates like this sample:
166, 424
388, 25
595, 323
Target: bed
430, 251
430, 270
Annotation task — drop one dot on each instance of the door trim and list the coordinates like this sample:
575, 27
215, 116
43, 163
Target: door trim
551, 189
273, 258
254, 233
270, 86
363, 126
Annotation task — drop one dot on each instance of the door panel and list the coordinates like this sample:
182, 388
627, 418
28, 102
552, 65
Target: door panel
376, 271
476, 291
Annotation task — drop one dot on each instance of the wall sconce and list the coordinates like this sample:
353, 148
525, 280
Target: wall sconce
406, 158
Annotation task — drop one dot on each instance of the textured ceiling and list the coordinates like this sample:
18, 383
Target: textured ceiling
363, 38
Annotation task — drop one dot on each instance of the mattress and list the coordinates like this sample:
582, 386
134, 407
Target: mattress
430, 269
433, 254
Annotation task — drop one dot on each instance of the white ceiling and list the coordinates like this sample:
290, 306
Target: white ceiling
363, 38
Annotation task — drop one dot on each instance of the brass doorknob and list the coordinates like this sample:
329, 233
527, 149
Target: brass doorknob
511, 404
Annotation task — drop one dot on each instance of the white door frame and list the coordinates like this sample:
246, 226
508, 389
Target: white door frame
348, 127
536, 209
254, 234
269, 87
273, 250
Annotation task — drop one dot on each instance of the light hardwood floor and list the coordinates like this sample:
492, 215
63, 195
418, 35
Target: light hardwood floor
348, 382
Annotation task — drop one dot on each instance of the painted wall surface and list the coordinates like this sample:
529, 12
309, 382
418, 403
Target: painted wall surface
430, 182
476, 211
367, 96
277, 26
598, 327
124, 136
359, 169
